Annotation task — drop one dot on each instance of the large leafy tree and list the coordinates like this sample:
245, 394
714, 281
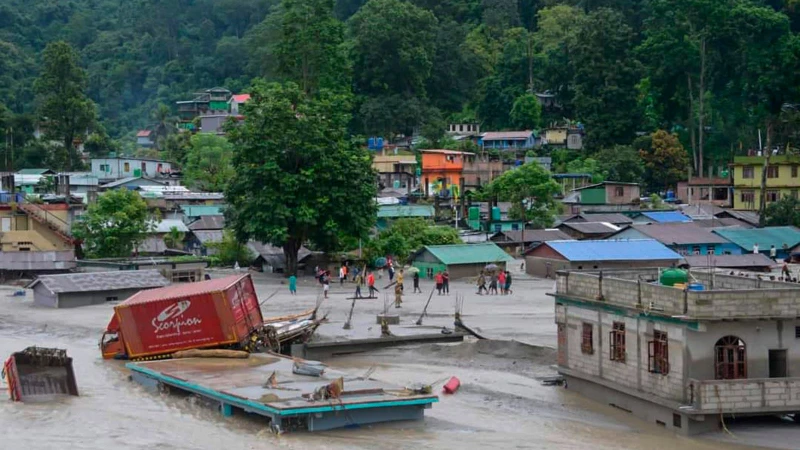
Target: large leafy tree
531, 190
621, 163
784, 212
113, 226
666, 161
64, 109
393, 50
298, 176
208, 162
407, 235
164, 124
526, 112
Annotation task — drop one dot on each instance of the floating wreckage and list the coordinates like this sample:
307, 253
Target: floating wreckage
39, 374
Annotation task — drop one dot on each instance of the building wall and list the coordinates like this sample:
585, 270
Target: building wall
630, 194
593, 196
537, 266
509, 144
43, 297
634, 372
745, 189
116, 167
76, 299
19, 232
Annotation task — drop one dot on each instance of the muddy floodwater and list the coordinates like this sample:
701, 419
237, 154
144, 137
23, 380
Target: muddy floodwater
501, 404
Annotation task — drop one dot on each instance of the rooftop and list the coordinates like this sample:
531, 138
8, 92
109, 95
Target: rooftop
208, 236
182, 290
395, 211
240, 98
143, 133
506, 135
201, 210
614, 250
126, 180
604, 183
666, 216
678, 233
208, 223
592, 227
746, 260
445, 152
613, 218
533, 235
486, 252
764, 237
101, 281
166, 225
35, 172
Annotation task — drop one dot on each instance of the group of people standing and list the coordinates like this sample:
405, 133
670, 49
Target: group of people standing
501, 280
442, 282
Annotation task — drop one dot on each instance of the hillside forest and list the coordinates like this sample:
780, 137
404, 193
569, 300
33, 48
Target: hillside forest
708, 75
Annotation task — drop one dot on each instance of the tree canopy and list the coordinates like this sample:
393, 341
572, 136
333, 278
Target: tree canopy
114, 226
531, 191
208, 163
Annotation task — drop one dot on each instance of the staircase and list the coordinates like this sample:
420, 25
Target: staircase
46, 218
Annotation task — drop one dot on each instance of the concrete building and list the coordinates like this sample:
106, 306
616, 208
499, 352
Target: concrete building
131, 183
508, 140
605, 196
460, 260
144, 139
83, 289
109, 169
684, 238
549, 257
706, 191
783, 179
396, 169
681, 359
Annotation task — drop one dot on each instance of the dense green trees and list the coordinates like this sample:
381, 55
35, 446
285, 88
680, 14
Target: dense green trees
113, 226
713, 72
208, 163
531, 191
406, 236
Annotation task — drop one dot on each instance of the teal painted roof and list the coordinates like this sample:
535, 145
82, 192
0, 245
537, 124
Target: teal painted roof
764, 237
33, 171
395, 211
486, 252
201, 210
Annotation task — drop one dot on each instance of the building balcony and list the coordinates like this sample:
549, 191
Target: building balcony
743, 396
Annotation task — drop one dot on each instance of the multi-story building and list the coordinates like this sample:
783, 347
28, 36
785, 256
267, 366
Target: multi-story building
783, 179
210, 101
508, 140
115, 168
683, 359
396, 168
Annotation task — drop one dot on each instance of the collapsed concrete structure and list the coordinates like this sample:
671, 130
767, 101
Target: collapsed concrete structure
681, 358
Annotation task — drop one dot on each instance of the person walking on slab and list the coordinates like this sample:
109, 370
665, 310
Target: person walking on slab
416, 283
371, 283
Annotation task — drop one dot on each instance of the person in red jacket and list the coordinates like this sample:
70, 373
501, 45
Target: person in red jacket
371, 284
439, 282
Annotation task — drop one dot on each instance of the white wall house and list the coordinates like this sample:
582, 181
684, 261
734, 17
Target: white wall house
123, 167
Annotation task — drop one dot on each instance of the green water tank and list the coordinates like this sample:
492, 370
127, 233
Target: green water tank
671, 277
495, 213
474, 213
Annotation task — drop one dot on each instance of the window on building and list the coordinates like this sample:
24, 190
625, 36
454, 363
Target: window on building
747, 172
104, 168
111, 299
515, 226
587, 345
695, 249
773, 196
617, 342
794, 171
747, 197
772, 171
619, 191
720, 194
658, 353
797, 332
710, 250
730, 359
676, 420
127, 167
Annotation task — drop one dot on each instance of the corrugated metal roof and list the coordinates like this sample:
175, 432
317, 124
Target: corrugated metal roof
393, 211
127, 180
143, 133
274, 255
101, 281
719, 222
591, 227
201, 210
679, 233
182, 290
207, 236
667, 216
730, 261
533, 235
619, 250
34, 171
208, 223
764, 237
747, 216
486, 252
240, 98
166, 225
610, 183
513, 135
612, 218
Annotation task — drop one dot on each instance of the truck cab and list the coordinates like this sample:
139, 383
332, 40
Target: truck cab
111, 343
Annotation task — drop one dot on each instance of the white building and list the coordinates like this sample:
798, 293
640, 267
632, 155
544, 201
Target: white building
124, 167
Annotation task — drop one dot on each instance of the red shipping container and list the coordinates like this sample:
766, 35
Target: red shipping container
213, 313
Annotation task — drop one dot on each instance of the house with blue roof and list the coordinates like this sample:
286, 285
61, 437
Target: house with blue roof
686, 238
662, 217
549, 257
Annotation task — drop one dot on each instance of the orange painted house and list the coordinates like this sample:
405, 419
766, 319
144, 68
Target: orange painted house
441, 169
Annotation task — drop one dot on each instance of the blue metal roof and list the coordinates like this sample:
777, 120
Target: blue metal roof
667, 216
618, 250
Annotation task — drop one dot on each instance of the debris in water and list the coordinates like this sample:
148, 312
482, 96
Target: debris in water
39, 373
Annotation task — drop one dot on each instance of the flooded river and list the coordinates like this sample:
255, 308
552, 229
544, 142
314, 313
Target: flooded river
500, 404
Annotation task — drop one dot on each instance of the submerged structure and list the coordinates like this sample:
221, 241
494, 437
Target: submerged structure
686, 357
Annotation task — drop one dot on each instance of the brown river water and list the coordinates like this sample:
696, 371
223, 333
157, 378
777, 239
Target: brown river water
500, 405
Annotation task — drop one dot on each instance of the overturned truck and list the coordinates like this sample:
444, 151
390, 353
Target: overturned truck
39, 374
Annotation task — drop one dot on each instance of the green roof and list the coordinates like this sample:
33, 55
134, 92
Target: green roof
33, 171
764, 237
486, 252
201, 210
395, 211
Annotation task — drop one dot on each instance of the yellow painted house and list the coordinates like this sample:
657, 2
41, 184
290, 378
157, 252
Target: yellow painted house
783, 179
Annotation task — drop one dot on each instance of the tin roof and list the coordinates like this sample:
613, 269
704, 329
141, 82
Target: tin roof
764, 237
208, 236
730, 261
166, 225
392, 211
208, 223
182, 290
722, 222
143, 133
486, 252
201, 210
101, 281
533, 235
667, 216
612, 218
604, 183
506, 135
35, 172
618, 250
591, 227
240, 98
678, 233
127, 180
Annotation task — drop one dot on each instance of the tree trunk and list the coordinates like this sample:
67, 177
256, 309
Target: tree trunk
701, 106
68, 151
290, 250
690, 122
